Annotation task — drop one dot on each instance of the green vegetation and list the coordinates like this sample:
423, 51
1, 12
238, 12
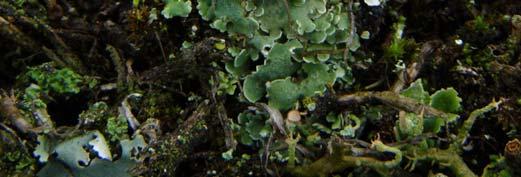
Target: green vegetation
260, 88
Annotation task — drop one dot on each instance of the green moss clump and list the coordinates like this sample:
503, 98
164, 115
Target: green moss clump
97, 113
117, 128
50, 79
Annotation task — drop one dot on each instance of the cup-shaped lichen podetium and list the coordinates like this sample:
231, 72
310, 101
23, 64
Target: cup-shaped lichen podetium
513, 155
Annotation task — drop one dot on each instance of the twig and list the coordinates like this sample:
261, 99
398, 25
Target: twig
225, 123
394, 100
9, 110
62, 54
161, 46
11, 32
119, 65
352, 30
413, 70
266, 155
62, 50
125, 111
275, 117
339, 161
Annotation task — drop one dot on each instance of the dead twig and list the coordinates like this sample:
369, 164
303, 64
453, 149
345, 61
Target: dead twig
11, 32
352, 29
119, 65
9, 110
225, 123
275, 117
161, 46
410, 74
394, 100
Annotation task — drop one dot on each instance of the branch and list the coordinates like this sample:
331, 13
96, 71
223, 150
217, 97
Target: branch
60, 52
9, 110
394, 100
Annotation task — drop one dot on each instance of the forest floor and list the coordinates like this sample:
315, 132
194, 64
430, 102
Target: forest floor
124, 71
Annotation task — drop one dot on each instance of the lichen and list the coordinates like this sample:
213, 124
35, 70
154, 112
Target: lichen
322, 25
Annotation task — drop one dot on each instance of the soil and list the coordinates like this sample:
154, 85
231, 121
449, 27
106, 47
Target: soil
174, 76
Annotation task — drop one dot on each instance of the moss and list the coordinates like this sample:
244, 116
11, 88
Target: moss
479, 24
97, 114
397, 48
50, 79
158, 104
14, 160
17, 163
117, 128
178, 146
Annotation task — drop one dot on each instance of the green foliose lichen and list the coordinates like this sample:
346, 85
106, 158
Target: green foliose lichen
179, 8
252, 128
290, 37
87, 155
446, 100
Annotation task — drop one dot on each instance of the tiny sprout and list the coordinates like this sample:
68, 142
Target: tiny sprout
294, 116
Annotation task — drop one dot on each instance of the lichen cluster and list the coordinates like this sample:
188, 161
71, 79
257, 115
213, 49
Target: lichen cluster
283, 50
260, 88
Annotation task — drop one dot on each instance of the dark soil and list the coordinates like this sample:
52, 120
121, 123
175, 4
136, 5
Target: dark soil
92, 25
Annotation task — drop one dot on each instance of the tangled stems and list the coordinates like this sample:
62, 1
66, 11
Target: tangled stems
339, 160
342, 156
